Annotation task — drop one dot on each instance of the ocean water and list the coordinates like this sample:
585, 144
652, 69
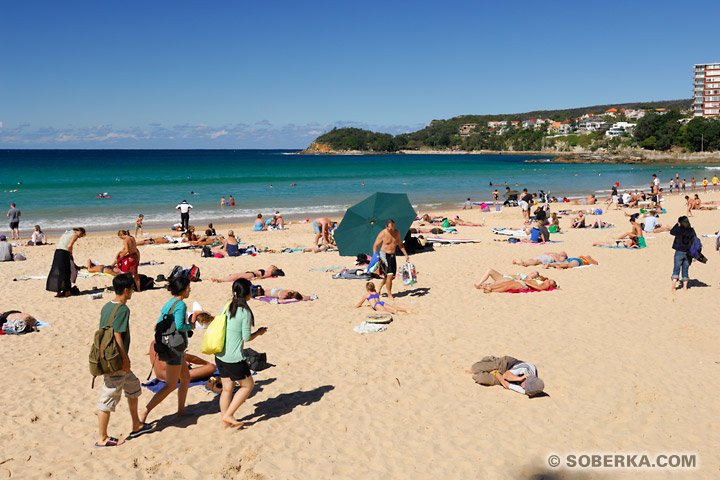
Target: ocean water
57, 188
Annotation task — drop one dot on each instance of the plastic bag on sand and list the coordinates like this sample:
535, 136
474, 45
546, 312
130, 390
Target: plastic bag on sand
366, 327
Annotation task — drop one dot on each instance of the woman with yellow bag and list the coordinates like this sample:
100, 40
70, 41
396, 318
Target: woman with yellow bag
230, 360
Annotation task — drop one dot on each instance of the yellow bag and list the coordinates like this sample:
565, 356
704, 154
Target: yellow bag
214, 339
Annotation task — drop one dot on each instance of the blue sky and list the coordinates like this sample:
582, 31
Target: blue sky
275, 74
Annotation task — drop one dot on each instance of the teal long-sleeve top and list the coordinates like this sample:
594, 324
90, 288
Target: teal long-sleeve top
179, 314
237, 333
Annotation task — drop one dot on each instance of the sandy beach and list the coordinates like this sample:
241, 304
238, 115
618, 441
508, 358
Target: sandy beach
628, 367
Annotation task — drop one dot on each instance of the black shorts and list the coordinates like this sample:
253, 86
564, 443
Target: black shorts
390, 263
233, 371
14, 225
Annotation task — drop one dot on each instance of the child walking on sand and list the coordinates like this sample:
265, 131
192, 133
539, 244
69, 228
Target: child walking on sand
138, 225
374, 299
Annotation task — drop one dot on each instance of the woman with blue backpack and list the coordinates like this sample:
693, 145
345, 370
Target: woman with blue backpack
684, 237
170, 344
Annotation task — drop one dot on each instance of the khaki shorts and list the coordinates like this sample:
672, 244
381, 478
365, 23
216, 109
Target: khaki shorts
114, 385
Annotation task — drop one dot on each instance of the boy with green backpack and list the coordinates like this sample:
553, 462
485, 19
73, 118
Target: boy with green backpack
116, 315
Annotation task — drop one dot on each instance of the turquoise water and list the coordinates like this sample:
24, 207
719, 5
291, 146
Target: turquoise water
57, 188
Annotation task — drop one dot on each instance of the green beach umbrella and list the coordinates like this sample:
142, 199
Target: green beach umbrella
363, 222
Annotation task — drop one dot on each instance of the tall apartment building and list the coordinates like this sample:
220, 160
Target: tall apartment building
707, 90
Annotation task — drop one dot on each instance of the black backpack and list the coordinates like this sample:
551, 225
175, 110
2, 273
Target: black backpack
206, 252
177, 270
169, 343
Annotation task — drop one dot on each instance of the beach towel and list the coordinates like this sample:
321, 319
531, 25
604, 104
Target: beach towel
508, 231
620, 248
35, 277
530, 290
156, 385
328, 269
277, 301
452, 240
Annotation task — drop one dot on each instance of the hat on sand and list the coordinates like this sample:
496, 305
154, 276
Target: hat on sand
533, 386
3, 238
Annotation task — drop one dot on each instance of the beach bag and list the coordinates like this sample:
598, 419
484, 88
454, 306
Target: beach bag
214, 339
257, 291
169, 343
695, 252
513, 240
256, 361
193, 273
105, 357
177, 270
206, 252
146, 283
409, 276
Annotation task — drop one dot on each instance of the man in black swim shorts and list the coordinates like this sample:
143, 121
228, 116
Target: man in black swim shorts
388, 240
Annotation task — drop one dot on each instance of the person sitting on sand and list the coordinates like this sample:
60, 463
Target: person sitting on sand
696, 204
578, 222
189, 235
555, 221
279, 222
259, 226
38, 237
200, 369
373, 298
538, 233
573, 262
229, 247
511, 373
504, 283
650, 223
271, 271
543, 259
632, 239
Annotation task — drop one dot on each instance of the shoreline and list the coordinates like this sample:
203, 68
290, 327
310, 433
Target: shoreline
625, 156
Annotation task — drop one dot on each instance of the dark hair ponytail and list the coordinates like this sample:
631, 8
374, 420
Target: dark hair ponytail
241, 289
178, 284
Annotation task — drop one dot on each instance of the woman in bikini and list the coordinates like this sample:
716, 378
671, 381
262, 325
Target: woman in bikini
282, 294
271, 271
506, 284
573, 262
499, 277
374, 299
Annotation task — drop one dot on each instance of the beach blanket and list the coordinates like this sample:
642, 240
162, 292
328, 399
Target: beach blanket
328, 269
156, 385
452, 240
508, 231
35, 277
620, 248
277, 301
93, 274
530, 290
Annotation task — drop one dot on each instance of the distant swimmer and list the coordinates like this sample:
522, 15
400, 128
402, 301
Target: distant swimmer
362, 184
293, 184
271, 185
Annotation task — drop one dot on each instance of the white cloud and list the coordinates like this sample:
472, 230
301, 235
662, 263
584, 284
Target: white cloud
261, 134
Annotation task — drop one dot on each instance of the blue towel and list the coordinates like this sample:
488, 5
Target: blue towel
156, 385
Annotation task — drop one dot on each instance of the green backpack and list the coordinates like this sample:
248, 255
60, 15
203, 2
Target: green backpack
105, 355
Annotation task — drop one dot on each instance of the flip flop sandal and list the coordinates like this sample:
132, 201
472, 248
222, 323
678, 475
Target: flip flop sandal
146, 428
110, 442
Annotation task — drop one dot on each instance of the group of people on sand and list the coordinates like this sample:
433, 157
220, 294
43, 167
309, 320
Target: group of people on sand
230, 362
276, 222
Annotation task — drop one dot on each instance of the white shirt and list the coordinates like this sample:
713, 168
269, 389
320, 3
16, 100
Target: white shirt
184, 207
656, 181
